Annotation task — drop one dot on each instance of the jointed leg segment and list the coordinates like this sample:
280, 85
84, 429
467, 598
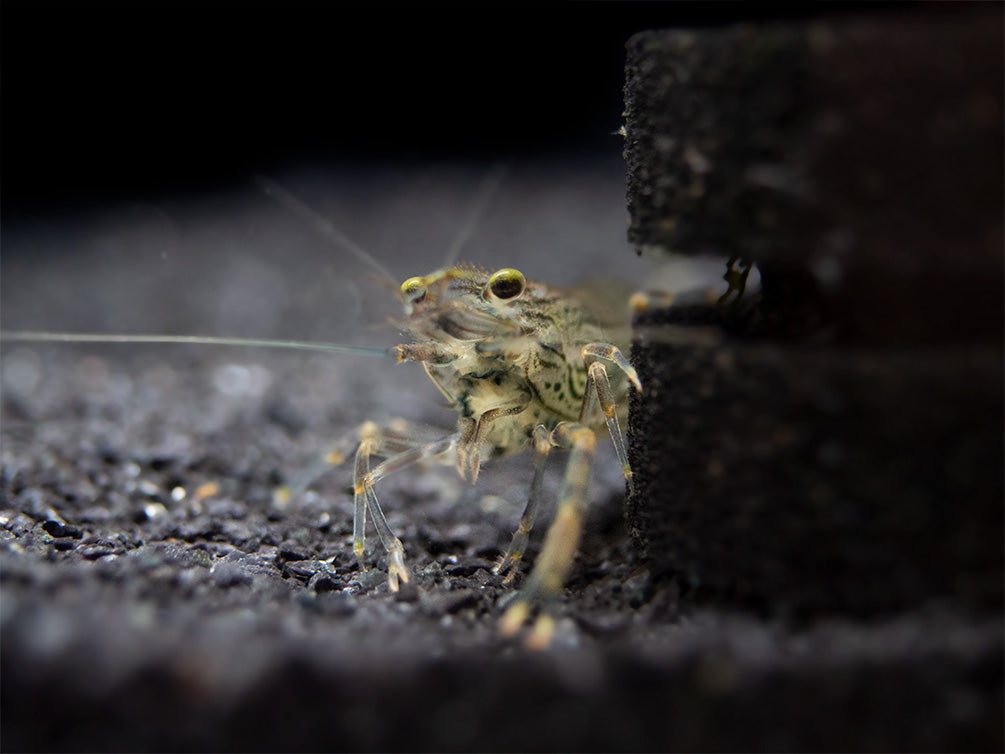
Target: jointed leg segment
401, 450
559, 549
470, 439
598, 388
560, 543
511, 560
401, 444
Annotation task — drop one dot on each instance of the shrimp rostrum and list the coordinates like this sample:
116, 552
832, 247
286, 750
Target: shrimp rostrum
524, 367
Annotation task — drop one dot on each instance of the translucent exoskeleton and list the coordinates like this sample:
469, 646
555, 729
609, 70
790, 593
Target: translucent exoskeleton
525, 366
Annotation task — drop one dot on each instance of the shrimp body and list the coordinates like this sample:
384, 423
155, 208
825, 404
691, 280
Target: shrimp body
493, 355
524, 366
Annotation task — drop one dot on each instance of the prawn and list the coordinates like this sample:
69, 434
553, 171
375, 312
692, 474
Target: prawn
525, 366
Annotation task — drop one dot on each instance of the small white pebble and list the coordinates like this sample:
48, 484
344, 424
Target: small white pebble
147, 487
154, 510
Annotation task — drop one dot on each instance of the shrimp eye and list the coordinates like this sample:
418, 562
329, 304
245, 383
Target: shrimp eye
506, 284
413, 289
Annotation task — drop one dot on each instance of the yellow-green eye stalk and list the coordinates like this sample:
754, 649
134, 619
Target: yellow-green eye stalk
506, 284
413, 289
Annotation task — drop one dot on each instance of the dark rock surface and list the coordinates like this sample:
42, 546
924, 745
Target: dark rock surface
807, 480
830, 445
854, 157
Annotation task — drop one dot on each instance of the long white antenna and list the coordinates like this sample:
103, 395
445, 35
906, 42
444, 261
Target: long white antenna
325, 228
486, 191
67, 337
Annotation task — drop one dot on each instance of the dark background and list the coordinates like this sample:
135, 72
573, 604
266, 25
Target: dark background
109, 100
